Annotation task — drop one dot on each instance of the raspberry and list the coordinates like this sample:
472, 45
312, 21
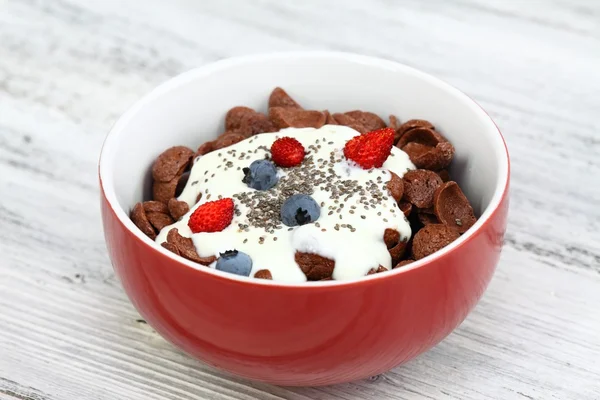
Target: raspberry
287, 152
371, 149
213, 216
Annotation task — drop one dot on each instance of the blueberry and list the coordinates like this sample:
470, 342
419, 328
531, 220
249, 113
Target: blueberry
235, 262
300, 209
262, 175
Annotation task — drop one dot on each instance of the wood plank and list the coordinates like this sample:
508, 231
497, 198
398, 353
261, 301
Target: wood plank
68, 69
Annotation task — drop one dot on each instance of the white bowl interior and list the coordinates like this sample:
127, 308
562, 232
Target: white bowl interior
190, 109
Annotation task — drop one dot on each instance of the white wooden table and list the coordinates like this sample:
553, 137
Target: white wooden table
69, 68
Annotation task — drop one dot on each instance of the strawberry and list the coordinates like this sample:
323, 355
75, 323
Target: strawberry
371, 149
213, 216
287, 152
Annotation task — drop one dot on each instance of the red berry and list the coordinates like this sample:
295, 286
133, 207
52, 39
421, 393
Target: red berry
287, 152
213, 216
371, 149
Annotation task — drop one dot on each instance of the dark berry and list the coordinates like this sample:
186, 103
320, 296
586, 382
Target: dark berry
235, 262
300, 209
262, 175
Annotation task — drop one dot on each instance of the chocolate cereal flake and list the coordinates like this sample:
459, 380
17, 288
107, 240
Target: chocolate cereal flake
315, 267
155, 206
159, 220
139, 218
412, 124
177, 208
280, 98
329, 120
377, 271
435, 158
205, 148
247, 121
295, 118
391, 237
396, 187
227, 139
403, 263
171, 247
452, 207
432, 238
414, 150
369, 120
398, 251
346, 120
444, 175
163, 191
424, 136
263, 274
394, 122
171, 163
405, 207
419, 187
186, 248
427, 218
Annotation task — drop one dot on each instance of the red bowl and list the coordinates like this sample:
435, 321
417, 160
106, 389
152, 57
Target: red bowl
303, 334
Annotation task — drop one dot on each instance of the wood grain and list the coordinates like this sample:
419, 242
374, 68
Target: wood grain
68, 69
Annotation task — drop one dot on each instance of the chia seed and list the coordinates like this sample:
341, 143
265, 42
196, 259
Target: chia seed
263, 208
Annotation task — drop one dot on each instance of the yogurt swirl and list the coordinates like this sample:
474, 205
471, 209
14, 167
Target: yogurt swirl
356, 207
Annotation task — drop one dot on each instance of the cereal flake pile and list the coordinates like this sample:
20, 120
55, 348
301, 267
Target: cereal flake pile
434, 205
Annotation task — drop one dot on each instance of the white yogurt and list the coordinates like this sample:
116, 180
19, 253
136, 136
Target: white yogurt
355, 250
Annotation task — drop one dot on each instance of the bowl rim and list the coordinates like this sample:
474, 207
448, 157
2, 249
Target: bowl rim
111, 142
